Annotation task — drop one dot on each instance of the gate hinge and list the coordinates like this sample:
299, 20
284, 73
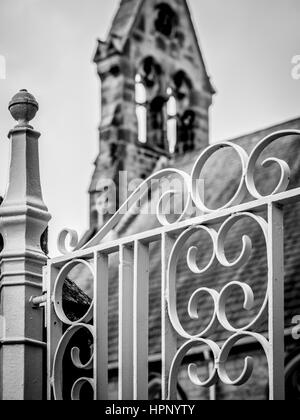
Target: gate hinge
38, 302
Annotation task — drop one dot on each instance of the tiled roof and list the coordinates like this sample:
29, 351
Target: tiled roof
222, 175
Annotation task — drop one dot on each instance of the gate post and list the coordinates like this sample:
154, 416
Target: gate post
23, 220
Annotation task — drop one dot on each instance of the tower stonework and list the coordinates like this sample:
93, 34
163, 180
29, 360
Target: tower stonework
152, 43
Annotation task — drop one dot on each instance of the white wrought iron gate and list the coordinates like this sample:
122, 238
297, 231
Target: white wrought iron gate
134, 263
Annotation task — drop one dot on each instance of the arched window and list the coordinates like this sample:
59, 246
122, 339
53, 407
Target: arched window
183, 86
141, 108
150, 72
186, 117
157, 122
172, 121
187, 122
150, 103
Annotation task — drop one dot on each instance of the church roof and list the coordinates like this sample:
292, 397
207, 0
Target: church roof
222, 174
125, 18
120, 29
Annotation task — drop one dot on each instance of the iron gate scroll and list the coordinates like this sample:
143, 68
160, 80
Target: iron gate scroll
133, 280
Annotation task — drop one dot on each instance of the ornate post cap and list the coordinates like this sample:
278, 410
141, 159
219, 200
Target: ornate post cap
23, 108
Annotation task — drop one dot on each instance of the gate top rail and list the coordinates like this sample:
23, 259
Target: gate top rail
153, 235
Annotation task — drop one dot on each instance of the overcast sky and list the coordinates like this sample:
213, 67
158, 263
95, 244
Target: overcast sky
248, 46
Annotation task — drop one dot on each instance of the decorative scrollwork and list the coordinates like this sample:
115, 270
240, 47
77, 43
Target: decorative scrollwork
247, 243
135, 197
248, 364
76, 327
220, 299
198, 168
78, 385
193, 252
194, 195
71, 236
75, 356
192, 369
58, 293
284, 167
172, 274
57, 373
223, 220
218, 367
218, 241
243, 258
223, 298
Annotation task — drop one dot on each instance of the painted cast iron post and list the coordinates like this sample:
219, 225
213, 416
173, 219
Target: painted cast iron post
23, 220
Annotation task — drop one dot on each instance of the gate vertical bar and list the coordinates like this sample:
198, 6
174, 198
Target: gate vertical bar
101, 326
141, 320
169, 338
54, 325
276, 302
23, 219
126, 280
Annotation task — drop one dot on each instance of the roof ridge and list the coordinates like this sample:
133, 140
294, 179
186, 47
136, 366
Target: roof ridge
136, 4
266, 128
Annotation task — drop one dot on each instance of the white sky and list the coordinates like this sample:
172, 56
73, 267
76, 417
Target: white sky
248, 46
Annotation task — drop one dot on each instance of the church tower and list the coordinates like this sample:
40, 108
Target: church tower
155, 97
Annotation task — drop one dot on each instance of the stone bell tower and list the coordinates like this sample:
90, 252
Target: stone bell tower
155, 97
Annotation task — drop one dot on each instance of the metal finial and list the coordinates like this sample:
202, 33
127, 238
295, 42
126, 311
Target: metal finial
23, 108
